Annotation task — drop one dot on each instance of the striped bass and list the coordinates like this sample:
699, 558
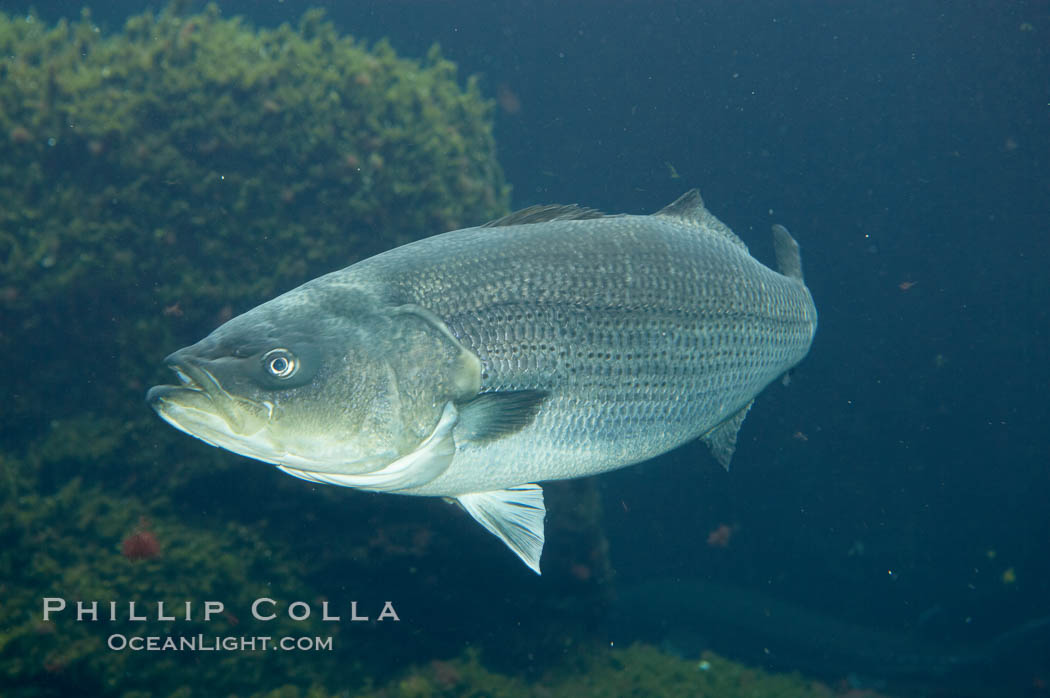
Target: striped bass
556, 342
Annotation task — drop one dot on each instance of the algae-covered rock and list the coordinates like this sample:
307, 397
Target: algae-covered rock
79, 545
639, 671
156, 180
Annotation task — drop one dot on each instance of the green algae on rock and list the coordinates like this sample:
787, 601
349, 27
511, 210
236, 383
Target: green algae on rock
157, 179
69, 547
639, 670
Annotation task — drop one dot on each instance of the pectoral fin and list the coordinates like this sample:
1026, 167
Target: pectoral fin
514, 515
491, 416
722, 439
431, 458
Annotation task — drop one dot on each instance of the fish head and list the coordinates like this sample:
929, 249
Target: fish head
318, 380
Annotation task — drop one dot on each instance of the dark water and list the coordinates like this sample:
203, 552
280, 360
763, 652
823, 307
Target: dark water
894, 495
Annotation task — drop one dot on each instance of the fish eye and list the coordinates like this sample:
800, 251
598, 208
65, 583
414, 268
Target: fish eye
280, 363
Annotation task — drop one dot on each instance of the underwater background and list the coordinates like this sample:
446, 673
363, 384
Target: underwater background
884, 529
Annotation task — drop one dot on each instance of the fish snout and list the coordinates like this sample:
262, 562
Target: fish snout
191, 370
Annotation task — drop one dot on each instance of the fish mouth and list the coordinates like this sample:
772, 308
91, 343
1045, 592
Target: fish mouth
186, 379
198, 403
192, 379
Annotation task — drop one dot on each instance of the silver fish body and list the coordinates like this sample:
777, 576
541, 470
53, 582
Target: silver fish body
554, 343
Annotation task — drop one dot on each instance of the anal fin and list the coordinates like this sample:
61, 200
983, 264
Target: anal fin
722, 439
514, 515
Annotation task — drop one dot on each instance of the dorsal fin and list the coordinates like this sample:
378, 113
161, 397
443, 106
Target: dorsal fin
788, 259
545, 213
689, 208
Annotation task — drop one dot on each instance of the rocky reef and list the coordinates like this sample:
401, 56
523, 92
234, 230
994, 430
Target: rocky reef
156, 180
638, 670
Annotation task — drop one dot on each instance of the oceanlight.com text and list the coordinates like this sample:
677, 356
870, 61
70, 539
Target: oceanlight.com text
217, 643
